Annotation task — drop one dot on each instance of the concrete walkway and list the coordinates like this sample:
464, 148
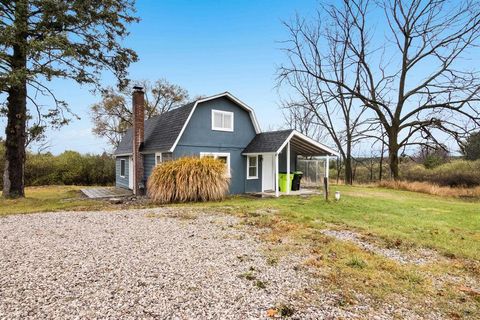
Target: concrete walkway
106, 192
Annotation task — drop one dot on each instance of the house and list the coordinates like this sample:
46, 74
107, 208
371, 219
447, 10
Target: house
219, 126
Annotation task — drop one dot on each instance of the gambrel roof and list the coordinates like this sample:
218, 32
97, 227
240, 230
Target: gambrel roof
163, 132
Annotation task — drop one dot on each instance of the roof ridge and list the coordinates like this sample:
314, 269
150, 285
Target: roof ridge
278, 131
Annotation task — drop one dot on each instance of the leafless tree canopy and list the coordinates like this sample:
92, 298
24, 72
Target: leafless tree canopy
404, 62
112, 116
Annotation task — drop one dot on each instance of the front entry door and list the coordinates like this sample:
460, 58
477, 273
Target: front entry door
267, 172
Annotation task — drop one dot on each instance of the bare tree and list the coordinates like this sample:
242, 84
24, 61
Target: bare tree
112, 116
334, 109
413, 78
302, 119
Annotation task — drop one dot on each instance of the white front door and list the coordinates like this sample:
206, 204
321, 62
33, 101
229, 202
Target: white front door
267, 172
130, 173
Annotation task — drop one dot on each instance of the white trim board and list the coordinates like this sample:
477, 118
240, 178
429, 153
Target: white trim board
309, 140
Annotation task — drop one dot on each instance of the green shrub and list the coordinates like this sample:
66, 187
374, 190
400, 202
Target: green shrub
69, 168
471, 147
457, 173
188, 179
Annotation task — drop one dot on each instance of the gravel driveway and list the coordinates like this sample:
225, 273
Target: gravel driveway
143, 264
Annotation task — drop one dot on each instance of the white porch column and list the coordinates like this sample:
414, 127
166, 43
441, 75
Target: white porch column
277, 192
288, 168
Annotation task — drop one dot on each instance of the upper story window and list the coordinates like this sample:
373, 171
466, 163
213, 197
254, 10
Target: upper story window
222, 120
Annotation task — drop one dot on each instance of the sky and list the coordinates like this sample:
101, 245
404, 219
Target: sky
205, 46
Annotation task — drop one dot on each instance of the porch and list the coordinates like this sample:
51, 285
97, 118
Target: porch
277, 152
301, 192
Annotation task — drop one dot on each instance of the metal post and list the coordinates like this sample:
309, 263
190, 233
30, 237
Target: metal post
325, 176
277, 192
288, 168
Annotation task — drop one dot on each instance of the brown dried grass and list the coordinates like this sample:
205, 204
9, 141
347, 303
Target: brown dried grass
434, 189
188, 179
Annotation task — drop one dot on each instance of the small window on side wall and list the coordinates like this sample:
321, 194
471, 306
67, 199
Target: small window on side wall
223, 157
252, 167
122, 168
222, 120
163, 157
167, 156
158, 158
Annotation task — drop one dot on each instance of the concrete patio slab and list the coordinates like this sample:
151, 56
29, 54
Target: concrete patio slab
106, 192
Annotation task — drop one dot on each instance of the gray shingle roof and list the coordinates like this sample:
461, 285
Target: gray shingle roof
267, 141
160, 131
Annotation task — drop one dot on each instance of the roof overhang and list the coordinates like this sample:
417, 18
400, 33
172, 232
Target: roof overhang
221, 95
306, 146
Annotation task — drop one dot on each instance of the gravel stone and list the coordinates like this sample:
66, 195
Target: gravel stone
418, 257
149, 264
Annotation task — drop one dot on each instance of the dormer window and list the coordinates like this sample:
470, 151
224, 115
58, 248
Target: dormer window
222, 120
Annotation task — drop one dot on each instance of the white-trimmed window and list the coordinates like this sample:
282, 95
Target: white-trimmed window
158, 158
222, 120
163, 157
252, 167
224, 157
122, 168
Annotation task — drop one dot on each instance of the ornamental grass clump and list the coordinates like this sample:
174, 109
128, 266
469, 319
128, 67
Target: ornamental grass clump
188, 179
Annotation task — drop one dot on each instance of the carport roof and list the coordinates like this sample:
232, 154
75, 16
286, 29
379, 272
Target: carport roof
275, 141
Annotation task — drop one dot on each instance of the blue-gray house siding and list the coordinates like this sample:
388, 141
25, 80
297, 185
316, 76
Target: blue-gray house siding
121, 181
199, 137
148, 165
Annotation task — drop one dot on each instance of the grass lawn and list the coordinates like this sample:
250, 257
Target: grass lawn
50, 198
449, 225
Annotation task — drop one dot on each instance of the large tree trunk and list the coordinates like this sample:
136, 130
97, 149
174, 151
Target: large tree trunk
348, 170
13, 176
393, 160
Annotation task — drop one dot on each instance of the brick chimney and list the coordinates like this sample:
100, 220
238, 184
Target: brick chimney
138, 100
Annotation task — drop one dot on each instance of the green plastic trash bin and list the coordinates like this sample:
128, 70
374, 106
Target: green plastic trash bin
282, 181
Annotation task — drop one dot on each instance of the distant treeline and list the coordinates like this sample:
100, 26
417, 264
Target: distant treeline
68, 168
453, 172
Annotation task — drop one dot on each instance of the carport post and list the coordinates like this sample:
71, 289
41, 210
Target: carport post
277, 192
325, 176
288, 168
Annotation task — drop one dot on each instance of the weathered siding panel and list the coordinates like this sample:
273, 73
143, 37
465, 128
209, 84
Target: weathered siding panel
199, 137
148, 165
121, 182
